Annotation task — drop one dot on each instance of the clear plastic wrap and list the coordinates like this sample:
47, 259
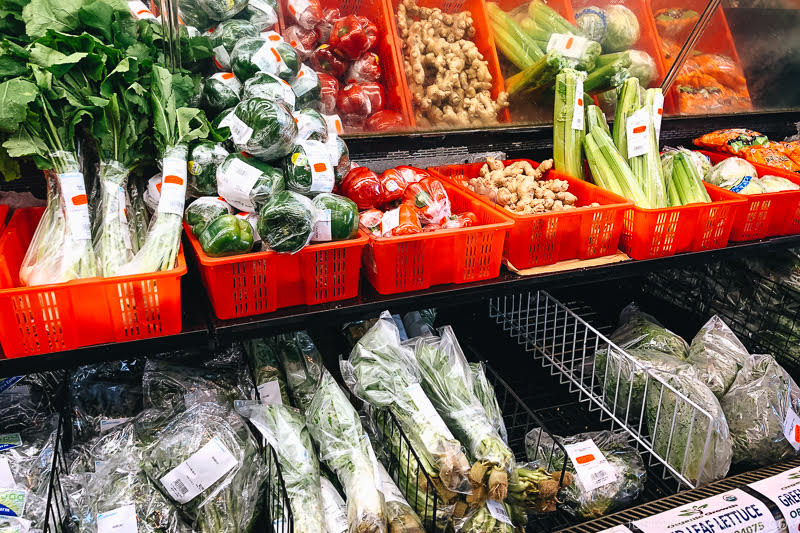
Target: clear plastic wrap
285, 430
627, 481
302, 363
263, 14
690, 427
756, 407
337, 218
717, 355
311, 125
138, 218
447, 381
114, 246
309, 168
265, 53
204, 211
267, 371
486, 395
345, 448
735, 174
402, 518
27, 402
223, 39
385, 374
261, 127
271, 87
777, 183
286, 222
220, 10
308, 89
490, 517
335, 508
248, 184
220, 91
204, 159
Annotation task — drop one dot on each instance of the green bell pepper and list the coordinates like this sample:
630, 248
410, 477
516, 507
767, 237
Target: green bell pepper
227, 235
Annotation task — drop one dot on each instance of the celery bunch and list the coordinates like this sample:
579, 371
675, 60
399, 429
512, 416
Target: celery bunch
569, 130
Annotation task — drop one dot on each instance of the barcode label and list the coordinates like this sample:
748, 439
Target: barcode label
10, 440
334, 506
791, 428
590, 464
270, 393
240, 132
319, 161
578, 107
173, 186
499, 512
199, 472
235, 183
267, 58
120, 520
638, 129
568, 45
228, 79
76, 205
334, 124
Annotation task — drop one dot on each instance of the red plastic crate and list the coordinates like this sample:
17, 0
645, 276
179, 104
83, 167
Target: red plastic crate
768, 214
483, 39
649, 233
414, 262
390, 57
547, 238
261, 282
63, 316
3, 217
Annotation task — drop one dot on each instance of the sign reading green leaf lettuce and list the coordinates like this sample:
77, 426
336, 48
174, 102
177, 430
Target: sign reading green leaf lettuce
783, 490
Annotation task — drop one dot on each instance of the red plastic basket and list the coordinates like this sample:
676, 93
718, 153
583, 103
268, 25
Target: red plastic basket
390, 56
49, 318
768, 214
414, 262
483, 39
261, 282
3, 217
547, 238
649, 233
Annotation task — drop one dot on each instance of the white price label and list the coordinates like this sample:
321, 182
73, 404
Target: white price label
262, 6
6, 477
578, 108
791, 428
229, 80
267, 58
568, 45
173, 186
389, 221
319, 161
638, 130
322, 226
334, 507
107, 424
120, 520
270, 393
590, 464
140, 11
734, 510
784, 491
235, 181
390, 491
498, 511
240, 132
658, 113
617, 529
221, 57
76, 205
197, 473
298, 7
334, 124
425, 407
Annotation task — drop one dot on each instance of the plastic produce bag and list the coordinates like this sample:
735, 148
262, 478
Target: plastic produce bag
269, 379
490, 517
262, 128
308, 89
311, 126
734, 174
340, 156
270, 87
302, 364
307, 13
345, 448
220, 10
429, 199
701, 160
220, 91
263, 14
204, 158
717, 355
264, 53
284, 428
687, 438
204, 211
401, 517
27, 402
309, 168
486, 395
761, 398
585, 496
286, 222
224, 36
777, 183
138, 218
622, 29
337, 218
248, 184
113, 238
335, 508
385, 374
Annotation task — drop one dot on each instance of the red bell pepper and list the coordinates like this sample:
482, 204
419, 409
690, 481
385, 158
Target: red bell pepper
393, 185
462, 220
374, 92
348, 38
365, 68
400, 221
412, 174
385, 119
329, 92
357, 101
430, 200
324, 60
325, 26
370, 220
371, 30
302, 40
307, 13
363, 187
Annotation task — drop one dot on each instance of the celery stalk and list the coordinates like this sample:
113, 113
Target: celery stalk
608, 75
595, 117
627, 104
608, 162
512, 41
549, 19
539, 75
567, 140
532, 30
687, 181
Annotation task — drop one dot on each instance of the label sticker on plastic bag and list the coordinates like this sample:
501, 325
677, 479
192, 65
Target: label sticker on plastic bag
658, 112
568, 45
590, 464
734, 511
578, 107
497, 510
270, 393
229, 80
319, 161
297, 7
140, 11
6, 477
784, 491
322, 226
240, 132
637, 127
267, 58
197, 473
107, 424
221, 57
389, 221
262, 6
73, 192
791, 428
427, 410
173, 186
334, 124
119, 520
235, 182
12, 502
333, 505
10, 440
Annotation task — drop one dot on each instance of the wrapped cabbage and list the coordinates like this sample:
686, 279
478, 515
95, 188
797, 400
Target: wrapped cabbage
776, 184
246, 183
756, 406
223, 39
307, 88
643, 66
691, 428
311, 126
591, 20
717, 355
734, 174
220, 91
337, 218
270, 87
204, 158
263, 14
620, 488
261, 127
622, 29
264, 53
309, 168
286, 222
204, 211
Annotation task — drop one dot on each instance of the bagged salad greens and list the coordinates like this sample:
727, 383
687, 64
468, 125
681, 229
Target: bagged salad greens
284, 428
756, 406
385, 374
269, 379
586, 497
336, 429
486, 395
302, 364
204, 158
286, 222
490, 517
247, 183
204, 211
717, 355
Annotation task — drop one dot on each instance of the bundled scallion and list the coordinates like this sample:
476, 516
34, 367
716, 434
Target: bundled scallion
568, 123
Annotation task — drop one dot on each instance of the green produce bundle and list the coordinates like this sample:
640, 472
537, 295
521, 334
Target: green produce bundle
643, 155
596, 118
309, 168
568, 123
486, 395
138, 218
512, 41
247, 183
267, 371
307, 88
113, 245
224, 37
337, 218
627, 104
311, 126
286, 222
270, 87
539, 75
548, 19
204, 159
302, 365
684, 183
203, 211
610, 73
385, 374
220, 91
226, 235
344, 447
490, 517
717, 355
264, 53
609, 169
262, 128
447, 382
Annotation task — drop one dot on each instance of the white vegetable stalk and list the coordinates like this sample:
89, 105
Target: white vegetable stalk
114, 246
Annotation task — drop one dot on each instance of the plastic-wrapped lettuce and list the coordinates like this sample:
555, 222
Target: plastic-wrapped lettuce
622, 485
687, 437
204, 158
286, 222
643, 66
756, 406
622, 29
220, 91
26, 402
302, 364
265, 53
717, 355
204, 211
284, 428
486, 395
191, 14
270, 87
261, 127
591, 20
247, 183
735, 174
269, 379
776, 184
224, 36
337, 218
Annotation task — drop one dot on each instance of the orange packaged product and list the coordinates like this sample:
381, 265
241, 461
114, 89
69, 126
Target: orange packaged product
792, 150
730, 140
675, 22
770, 154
